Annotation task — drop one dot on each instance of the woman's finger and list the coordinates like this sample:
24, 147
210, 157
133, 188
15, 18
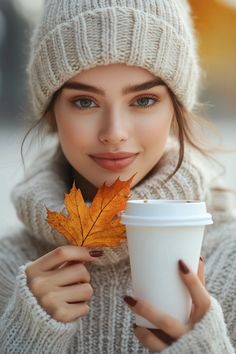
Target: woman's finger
59, 256
163, 336
70, 312
161, 320
76, 273
149, 339
76, 293
200, 297
200, 272
201, 276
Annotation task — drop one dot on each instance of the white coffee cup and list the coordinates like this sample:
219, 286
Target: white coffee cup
159, 234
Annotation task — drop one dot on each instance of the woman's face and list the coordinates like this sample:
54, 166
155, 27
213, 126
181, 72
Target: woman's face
113, 121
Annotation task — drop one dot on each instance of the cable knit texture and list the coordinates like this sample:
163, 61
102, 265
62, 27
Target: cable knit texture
26, 328
76, 35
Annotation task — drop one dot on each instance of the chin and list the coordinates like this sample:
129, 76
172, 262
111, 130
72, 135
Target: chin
110, 179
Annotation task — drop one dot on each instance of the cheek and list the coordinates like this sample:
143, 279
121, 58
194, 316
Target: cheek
74, 132
73, 136
156, 131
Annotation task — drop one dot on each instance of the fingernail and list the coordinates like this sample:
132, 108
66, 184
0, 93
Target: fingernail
130, 300
162, 336
96, 253
134, 326
183, 267
201, 259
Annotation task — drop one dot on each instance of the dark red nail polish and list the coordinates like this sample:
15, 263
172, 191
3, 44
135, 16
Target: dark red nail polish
134, 326
164, 337
96, 253
201, 259
130, 300
183, 267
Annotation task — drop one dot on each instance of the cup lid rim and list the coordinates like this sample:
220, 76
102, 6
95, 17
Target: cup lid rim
205, 219
166, 201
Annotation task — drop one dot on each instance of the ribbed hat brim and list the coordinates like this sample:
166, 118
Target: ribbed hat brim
114, 35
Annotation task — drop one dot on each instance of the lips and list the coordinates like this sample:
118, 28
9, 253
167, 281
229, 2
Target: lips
114, 161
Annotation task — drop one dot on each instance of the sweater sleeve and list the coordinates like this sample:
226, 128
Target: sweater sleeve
24, 325
208, 335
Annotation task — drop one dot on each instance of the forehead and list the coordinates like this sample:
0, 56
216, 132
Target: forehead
123, 78
122, 71
118, 66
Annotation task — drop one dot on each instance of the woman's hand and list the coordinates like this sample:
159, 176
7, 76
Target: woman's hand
60, 282
171, 329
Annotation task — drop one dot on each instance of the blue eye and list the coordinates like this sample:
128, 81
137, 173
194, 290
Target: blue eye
84, 103
144, 102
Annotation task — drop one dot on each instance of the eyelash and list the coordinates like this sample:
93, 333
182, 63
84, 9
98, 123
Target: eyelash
154, 98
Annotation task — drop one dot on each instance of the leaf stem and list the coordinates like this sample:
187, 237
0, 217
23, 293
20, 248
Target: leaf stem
88, 234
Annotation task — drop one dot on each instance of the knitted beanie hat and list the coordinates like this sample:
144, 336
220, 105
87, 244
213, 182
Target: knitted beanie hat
75, 35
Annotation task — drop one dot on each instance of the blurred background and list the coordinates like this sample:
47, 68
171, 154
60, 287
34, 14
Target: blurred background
215, 22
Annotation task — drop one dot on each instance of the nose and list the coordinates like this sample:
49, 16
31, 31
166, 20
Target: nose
114, 130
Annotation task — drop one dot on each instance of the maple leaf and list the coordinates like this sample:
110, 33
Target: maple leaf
95, 226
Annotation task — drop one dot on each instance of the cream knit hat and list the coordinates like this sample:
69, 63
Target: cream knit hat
73, 35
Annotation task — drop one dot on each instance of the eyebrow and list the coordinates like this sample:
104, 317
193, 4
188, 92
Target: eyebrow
130, 89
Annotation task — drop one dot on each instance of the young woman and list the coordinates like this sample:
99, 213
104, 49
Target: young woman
116, 81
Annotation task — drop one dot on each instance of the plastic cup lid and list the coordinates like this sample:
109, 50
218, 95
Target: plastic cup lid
159, 212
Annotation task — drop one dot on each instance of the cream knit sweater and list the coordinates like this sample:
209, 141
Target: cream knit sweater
26, 328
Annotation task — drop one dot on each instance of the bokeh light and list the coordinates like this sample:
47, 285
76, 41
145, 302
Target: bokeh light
29, 9
231, 3
215, 24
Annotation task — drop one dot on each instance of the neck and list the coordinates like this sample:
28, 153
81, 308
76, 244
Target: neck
88, 189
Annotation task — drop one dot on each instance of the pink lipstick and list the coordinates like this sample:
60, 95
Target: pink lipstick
114, 161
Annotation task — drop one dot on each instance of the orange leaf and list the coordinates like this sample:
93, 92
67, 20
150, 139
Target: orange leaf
97, 225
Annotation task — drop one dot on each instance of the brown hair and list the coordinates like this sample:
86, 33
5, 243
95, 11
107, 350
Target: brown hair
187, 127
